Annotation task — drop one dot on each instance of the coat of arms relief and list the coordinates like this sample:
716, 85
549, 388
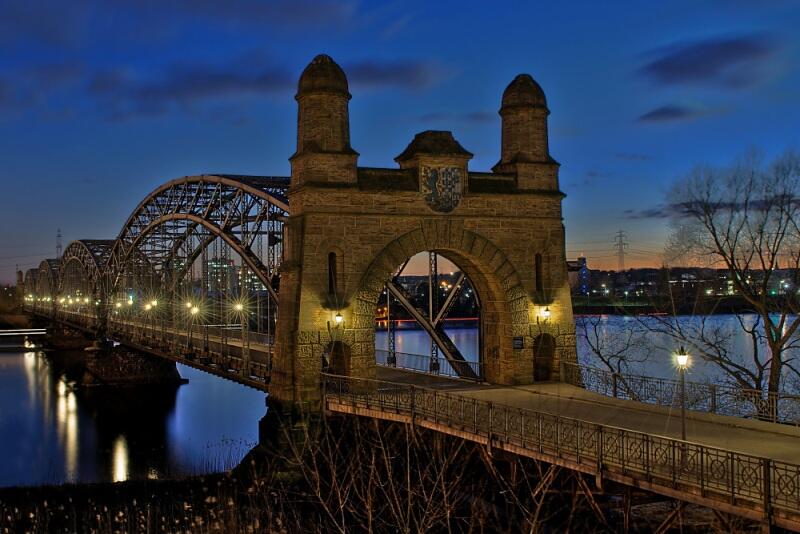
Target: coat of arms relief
442, 187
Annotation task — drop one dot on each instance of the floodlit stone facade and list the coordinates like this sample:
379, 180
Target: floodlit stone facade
351, 227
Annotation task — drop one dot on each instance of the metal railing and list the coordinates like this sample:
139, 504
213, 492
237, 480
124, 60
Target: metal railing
210, 345
702, 397
424, 363
732, 478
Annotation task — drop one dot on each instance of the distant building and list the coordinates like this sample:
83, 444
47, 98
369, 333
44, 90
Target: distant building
579, 276
249, 282
219, 275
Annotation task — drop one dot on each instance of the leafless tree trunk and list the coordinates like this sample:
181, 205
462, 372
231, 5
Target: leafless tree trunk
745, 219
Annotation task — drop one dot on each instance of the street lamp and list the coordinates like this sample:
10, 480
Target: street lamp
193, 310
245, 351
682, 359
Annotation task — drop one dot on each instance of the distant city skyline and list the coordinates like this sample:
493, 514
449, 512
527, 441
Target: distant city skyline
101, 103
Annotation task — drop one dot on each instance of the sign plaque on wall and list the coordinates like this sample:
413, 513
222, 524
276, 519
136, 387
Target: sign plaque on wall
518, 343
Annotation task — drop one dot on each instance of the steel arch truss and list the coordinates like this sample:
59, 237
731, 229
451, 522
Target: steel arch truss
29, 288
189, 218
83, 267
47, 285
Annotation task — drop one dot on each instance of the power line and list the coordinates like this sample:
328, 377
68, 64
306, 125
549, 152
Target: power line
620, 243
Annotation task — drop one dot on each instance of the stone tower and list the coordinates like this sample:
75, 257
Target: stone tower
324, 161
323, 151
349, 228
524, 147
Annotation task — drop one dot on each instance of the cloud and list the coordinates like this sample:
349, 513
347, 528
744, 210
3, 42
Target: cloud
58, 23
38, 86
660, 211
54, 74
50, 22
406, 74
731, 62
127, 94
277, 13
631, 156
6, 93
590, 178
480, 117
671, 113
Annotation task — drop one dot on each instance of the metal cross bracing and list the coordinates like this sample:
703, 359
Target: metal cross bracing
82, 285
432, 320
209, 249
181, 219
29, 290
47, 286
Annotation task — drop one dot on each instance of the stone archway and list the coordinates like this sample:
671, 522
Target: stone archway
336, 358
544, 347
505, 305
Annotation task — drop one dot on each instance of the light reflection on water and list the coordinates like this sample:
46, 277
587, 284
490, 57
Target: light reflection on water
52, 433
120, 459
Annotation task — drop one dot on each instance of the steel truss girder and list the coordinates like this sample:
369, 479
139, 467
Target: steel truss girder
443, 342
29, 282
91, 257
183, 218
47, 278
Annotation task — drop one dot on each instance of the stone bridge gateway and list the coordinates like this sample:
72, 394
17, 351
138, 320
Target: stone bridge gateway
502, 228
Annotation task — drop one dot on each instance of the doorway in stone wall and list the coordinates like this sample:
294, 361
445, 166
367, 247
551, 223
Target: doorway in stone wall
544, 346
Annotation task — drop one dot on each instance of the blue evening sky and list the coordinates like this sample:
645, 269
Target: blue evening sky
100, 102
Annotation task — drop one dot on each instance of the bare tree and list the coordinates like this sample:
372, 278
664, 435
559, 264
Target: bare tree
615, 348
745, 219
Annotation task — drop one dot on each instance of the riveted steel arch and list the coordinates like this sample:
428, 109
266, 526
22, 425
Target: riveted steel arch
244, 212
47, 280
86, 257
29, 287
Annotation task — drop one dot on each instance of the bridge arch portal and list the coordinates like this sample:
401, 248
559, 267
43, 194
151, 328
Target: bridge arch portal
504, 305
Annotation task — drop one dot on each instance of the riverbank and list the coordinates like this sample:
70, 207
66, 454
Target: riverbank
715, 305
10, 320
359, 476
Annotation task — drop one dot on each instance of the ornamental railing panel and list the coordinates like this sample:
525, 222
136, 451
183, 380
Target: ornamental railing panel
702, 397
727, 476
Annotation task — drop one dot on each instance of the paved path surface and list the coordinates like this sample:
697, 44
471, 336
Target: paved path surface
758, 438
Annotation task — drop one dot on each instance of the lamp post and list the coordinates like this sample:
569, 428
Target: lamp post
147, 316
245, 323
682, 359
193, 310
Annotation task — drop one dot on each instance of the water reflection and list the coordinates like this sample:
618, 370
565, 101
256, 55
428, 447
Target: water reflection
52, 432
120, 467
67, 428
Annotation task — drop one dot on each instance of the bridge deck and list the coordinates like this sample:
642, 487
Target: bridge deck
747, 436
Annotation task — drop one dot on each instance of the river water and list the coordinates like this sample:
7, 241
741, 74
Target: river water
651, 353
52, 434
